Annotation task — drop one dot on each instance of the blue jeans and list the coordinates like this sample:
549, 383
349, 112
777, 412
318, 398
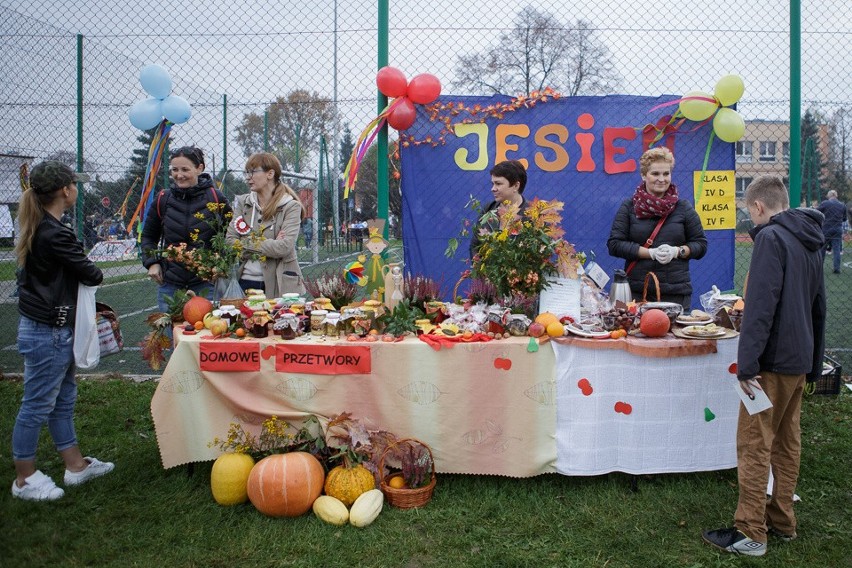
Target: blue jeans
50, 389
836, 244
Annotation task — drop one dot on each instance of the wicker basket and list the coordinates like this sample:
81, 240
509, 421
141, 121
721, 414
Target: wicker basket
406, 498
236, 302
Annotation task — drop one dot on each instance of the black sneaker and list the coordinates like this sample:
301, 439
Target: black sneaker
778, 534
732, 540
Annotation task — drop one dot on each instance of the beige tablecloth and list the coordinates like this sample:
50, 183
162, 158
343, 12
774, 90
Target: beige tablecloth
485, 408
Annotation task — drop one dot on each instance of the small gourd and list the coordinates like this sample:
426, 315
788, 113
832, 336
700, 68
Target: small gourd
331, 510
366, 508
348, 483
229, 477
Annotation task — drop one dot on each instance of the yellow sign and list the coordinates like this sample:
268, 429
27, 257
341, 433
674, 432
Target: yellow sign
715, 199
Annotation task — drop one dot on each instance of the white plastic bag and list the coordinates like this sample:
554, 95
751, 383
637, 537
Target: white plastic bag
87, 350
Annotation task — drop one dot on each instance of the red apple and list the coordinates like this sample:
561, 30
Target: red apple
536, 329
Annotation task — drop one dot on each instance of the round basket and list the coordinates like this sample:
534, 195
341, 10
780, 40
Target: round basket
406, 498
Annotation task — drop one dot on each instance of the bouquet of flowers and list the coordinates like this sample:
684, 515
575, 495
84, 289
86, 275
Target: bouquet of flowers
217, 259
519, 249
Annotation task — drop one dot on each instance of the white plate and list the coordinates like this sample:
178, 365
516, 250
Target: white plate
694, 322
697, 331
584, 333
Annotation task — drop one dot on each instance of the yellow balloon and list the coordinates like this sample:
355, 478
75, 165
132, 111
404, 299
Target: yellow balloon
697, 109
729, 89
728, 125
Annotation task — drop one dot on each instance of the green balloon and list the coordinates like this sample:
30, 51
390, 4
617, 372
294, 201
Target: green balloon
728, 125
698, 105
729, 89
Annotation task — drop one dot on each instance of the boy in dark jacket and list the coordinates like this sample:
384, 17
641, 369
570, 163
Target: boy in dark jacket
781, 342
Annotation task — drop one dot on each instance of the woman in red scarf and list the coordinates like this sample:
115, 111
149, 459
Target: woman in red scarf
656, 214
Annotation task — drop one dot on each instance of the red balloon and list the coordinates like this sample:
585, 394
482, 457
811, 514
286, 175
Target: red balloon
403, 115
424, 89
391, 82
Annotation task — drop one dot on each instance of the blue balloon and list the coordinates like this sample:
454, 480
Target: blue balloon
146, 114
176, 109
156, 81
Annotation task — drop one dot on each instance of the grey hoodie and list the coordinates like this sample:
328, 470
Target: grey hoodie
783, 323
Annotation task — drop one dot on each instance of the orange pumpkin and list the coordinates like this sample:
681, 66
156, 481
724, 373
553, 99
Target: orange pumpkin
196, 308
348, 483
654, 323
285, 485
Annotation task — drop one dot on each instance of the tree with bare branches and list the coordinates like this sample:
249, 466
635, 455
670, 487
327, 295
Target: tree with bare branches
538, 52
300, 111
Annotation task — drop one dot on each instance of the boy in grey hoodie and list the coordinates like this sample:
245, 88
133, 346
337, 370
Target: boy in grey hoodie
781, 344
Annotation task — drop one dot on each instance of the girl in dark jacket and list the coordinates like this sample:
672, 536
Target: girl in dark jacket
680, 236
181, 215
51, 264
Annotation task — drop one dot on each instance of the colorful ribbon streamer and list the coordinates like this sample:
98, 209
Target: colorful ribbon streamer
365, 140
155, 155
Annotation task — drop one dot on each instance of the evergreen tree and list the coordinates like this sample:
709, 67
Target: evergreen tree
813, 163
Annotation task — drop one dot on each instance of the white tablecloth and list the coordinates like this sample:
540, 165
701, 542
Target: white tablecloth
645, 415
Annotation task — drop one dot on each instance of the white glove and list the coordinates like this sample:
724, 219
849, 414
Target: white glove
663, 253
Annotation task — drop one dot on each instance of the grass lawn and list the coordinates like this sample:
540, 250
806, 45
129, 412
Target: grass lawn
142, 515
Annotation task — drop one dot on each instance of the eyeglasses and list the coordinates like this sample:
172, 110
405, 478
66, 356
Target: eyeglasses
249, 173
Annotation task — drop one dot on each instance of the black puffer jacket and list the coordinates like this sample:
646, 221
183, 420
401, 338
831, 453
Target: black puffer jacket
682, 227
172, 219
783, 324
47, 284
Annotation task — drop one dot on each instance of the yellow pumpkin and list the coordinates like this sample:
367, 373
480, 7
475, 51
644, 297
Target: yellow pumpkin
348, 483
229, 477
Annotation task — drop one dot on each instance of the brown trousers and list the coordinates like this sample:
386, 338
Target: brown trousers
772, 437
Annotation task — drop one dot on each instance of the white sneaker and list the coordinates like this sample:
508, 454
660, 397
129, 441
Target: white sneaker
37, 487
96, 468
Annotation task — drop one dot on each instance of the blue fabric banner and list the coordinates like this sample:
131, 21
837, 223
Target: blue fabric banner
583, 151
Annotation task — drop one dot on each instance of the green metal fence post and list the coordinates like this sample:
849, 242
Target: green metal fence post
224, 133
266, 131
795, 103
382, 166
80, 199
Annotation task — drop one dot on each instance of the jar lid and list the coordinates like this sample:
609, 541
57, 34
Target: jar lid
319, 312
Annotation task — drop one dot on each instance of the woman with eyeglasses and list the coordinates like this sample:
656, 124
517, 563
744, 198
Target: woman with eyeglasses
177, 215
267, 222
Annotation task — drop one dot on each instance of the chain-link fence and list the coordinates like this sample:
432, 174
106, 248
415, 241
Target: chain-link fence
298, 79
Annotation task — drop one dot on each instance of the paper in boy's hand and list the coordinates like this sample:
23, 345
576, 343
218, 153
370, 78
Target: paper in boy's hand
759, 403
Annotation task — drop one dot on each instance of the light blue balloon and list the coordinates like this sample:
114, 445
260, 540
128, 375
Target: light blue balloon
156, 81
176, 109
146, 114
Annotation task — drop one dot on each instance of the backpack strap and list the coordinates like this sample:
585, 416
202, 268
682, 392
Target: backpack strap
159, 197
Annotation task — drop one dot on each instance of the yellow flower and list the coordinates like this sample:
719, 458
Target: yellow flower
199, 215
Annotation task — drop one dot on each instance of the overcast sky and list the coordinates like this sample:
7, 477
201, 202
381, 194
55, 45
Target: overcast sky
254, 52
